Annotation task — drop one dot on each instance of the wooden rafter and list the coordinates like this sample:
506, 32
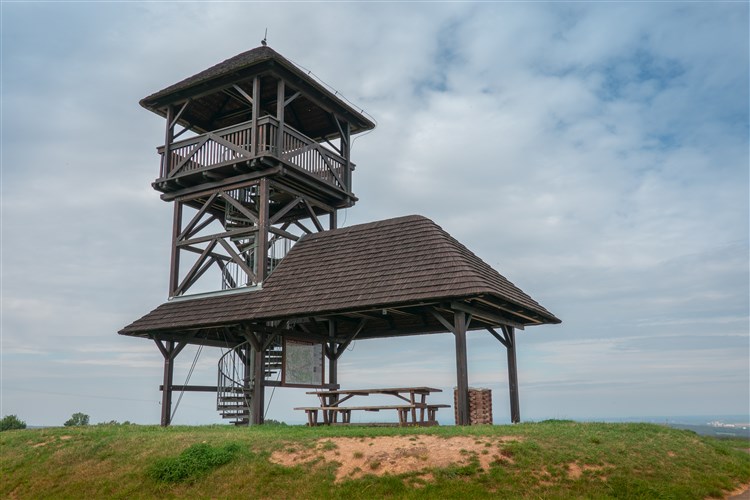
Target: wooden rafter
485, 315
243, 93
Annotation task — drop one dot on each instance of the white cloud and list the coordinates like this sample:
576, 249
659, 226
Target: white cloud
596, 155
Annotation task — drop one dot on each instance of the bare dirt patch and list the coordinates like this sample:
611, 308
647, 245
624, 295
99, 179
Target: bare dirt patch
397, 454
45, 443
575, 470
740, 493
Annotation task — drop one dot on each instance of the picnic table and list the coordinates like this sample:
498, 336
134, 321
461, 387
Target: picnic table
413, 403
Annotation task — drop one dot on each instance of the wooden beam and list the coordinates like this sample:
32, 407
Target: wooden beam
169, 351
261, 256
174, 264
285, 209
333, 356
239, 206
302, 226
188, 280
237, 259
166, 393
178, 115
168, 138
204, 189
254, 118
507, 309
442, 320
280, 91
462, 372
192, 388
258, 401
244, 231
282, 233
342, 347
196, 218
313, 217
174, 171
497, 336
332, 220
193, 340
515, 405
253, 339
243, 93
487, 315
289, 101
226, 273
283, 186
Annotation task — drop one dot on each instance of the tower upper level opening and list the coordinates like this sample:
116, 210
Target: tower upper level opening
252, 112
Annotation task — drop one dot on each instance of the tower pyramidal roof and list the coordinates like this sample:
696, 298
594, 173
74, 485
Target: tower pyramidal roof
243, 66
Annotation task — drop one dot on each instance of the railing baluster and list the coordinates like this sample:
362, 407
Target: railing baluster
317, 159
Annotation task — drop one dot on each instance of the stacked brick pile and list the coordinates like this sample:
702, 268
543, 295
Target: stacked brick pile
480, 406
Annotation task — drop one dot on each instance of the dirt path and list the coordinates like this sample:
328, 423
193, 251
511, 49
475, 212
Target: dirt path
416, 454
397, 454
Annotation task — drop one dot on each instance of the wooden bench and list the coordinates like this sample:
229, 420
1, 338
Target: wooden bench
330, 413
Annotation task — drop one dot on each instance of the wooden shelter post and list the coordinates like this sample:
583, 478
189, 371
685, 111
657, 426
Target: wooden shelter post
333, 355
515, 406
508, 339
259, 386
462, 373
169, 350
248, 370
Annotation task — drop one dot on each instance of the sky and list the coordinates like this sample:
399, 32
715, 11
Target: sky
595, 154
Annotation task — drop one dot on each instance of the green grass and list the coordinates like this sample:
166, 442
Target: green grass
193, 462
128, 461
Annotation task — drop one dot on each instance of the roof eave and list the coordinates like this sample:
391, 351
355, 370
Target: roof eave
269, 62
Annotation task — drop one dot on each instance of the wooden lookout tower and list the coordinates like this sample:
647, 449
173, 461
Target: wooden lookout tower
258, 265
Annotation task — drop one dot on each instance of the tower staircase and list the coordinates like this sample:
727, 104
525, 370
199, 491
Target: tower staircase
235, 384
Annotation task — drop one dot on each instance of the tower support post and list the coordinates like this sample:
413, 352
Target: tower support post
174, 263
262, 238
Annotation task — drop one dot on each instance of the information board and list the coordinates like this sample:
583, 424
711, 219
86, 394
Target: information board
303, 363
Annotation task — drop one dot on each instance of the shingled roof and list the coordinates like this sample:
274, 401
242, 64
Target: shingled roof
384, 264
245, 65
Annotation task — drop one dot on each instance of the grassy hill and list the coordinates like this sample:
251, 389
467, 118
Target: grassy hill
536, 460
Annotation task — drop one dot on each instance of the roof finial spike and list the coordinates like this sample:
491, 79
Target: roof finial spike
264, 42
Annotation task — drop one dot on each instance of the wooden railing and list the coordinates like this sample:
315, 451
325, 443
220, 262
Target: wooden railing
233, 144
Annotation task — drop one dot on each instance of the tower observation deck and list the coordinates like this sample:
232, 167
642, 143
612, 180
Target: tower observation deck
266, 154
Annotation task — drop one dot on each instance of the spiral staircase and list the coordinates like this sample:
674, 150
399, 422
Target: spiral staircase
235, 384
